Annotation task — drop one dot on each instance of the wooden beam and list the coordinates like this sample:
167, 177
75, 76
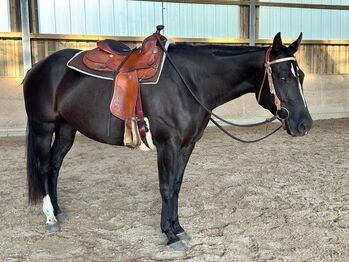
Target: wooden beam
305, 42
213, 2
309, 6
246, 3
91, 38
11, 35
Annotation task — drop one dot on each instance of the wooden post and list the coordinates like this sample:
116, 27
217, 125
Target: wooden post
244, 23
33, 15
15, 16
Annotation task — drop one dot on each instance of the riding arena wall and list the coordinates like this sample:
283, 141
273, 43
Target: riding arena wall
326, 85
325, 62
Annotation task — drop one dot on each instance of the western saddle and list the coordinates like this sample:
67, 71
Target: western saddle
129, 67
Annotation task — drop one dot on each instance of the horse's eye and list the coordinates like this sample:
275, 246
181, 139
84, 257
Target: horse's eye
283, 78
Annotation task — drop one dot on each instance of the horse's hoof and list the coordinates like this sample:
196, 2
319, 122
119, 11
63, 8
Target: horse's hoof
178, 246
62, 218
183, 236
53, 228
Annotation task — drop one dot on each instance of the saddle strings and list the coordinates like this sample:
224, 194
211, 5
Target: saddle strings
213, 114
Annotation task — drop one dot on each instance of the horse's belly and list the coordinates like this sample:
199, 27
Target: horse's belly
85, 106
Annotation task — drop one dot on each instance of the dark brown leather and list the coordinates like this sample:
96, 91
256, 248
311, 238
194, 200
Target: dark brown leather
146, 62
99, 60
129, 68
125, 95
113, 47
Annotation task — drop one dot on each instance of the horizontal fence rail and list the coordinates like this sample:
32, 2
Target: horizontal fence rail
18, 36
258, 4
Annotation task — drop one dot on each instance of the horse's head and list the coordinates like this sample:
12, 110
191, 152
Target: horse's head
282, 90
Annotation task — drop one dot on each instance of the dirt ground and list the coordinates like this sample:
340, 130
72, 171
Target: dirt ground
283, 199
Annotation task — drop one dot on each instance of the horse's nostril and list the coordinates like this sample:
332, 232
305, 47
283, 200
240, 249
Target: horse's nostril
303, 127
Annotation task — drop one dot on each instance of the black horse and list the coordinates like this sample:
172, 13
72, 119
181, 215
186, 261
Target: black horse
61, 101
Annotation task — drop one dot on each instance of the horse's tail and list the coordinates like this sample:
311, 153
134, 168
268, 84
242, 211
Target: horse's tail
26, 74
34, 186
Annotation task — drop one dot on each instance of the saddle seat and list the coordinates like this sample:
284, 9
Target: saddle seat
113, 47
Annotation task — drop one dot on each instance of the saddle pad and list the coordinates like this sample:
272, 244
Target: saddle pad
76, 63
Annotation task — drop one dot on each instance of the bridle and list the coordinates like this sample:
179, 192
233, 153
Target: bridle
267, 72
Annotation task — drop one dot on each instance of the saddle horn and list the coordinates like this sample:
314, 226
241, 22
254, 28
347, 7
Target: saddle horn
159, 28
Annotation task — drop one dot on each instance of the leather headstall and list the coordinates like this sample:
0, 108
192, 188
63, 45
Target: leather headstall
268, 73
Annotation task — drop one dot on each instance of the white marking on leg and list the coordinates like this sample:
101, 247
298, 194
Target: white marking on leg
149, 139
48, 210
148, 136
299, 84
143, 147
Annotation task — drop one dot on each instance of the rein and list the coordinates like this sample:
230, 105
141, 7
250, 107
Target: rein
272, 90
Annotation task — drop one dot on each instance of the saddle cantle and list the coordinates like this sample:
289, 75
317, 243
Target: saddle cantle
113, 47
113, 60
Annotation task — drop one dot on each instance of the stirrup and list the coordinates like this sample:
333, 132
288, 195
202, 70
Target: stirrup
132, 138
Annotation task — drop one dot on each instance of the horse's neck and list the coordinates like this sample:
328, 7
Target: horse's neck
223, 77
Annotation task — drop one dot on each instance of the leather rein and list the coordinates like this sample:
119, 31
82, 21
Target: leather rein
267, 72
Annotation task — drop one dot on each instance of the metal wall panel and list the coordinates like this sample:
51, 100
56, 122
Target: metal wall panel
4, 16
120, 18
47, 19
106, 16
78, 17
92, 20
316, 24
137, 18
202, 21
62, 16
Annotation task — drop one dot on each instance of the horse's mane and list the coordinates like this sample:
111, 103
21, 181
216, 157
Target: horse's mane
217, 50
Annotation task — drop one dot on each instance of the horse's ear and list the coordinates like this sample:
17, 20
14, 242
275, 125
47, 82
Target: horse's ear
294, 46
277, 42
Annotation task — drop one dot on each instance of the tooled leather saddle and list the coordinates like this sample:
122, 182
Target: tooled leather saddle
113, 60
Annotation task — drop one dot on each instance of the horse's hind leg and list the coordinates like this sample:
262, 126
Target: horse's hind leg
39, 168
64, 139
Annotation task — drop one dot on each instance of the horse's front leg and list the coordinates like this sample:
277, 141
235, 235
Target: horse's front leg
169, 159
184, 156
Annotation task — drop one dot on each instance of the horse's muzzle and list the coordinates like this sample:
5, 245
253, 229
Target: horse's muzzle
304, 126
301, 128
